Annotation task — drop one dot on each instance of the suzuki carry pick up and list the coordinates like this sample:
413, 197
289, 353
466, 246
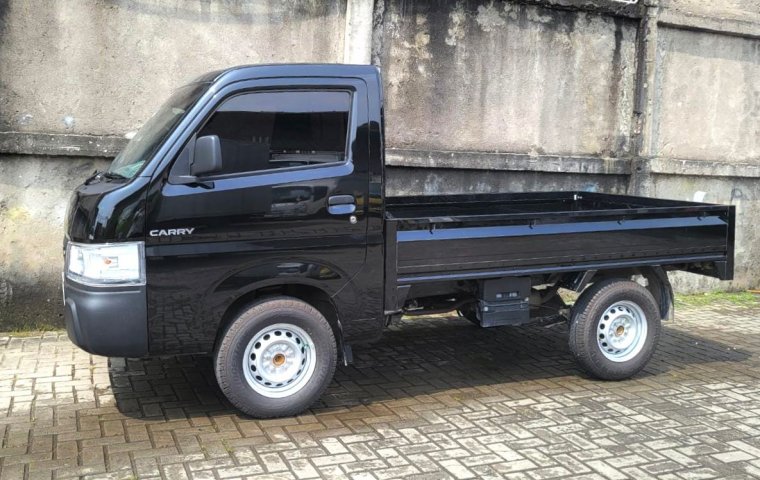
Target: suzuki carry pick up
248, 220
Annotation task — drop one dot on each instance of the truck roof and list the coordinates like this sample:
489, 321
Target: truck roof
251, 72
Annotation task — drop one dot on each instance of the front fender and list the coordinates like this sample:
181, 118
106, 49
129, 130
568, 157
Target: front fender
185, 313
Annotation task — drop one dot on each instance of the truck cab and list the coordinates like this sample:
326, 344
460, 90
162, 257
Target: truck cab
247, 219
251, 180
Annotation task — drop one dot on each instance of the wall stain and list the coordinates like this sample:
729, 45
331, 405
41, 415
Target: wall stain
615, 143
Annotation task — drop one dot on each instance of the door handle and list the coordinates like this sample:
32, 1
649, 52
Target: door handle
341, 205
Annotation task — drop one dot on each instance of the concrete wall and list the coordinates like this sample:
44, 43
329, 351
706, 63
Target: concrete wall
77, 75
743, 10
528, 78
34, 193
707, 97
661, 98
432, 181
102, 67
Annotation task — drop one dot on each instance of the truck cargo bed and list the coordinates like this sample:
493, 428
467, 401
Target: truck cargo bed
449, 237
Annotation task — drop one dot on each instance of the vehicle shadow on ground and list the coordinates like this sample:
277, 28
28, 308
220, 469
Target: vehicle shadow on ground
426, 356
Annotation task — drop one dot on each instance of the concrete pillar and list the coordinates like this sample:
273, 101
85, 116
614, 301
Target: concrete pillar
644, 115
357, 47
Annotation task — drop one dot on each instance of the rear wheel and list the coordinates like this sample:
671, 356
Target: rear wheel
276, 358
614, 329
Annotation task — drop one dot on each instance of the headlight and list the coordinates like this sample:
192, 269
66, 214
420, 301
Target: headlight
106, 264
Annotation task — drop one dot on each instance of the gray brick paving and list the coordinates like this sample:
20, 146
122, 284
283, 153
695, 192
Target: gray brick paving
436, 398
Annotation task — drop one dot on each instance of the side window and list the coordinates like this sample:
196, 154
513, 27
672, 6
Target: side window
271, 130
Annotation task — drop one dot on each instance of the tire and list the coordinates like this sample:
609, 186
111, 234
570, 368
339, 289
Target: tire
614, 329
276, 358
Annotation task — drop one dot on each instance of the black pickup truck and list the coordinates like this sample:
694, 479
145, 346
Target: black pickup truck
247, 219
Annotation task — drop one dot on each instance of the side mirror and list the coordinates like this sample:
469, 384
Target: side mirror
207, 157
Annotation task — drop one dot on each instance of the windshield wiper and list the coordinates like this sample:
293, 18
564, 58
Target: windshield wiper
92, 177
114, 176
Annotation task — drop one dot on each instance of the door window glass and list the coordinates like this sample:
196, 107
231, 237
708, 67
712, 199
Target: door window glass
272, 130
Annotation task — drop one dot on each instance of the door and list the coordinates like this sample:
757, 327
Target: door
289, 205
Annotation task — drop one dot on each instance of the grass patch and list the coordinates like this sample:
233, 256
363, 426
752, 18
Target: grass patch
741, 299
33, 330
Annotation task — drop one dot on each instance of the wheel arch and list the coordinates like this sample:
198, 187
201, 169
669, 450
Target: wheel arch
657, 283
659, 286
314, 296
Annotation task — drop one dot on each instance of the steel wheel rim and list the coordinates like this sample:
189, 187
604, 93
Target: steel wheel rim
622, 331
279, 360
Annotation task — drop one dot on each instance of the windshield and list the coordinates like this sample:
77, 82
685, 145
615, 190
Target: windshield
150, 137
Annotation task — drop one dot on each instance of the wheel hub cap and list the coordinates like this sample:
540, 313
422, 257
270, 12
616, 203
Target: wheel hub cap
279, 360
622, 331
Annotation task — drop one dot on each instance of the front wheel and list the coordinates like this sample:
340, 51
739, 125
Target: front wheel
614, 330
276, 358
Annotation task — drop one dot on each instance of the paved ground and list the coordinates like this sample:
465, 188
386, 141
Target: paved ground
436, 398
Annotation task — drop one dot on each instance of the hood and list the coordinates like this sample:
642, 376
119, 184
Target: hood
102, 210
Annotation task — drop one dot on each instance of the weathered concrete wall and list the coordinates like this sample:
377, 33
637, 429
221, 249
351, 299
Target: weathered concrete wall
744, 10
103, 67
415, 181
705, 138
708, 97
500, 76
660, 98
34, 194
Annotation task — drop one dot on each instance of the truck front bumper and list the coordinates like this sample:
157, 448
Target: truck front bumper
108, 321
